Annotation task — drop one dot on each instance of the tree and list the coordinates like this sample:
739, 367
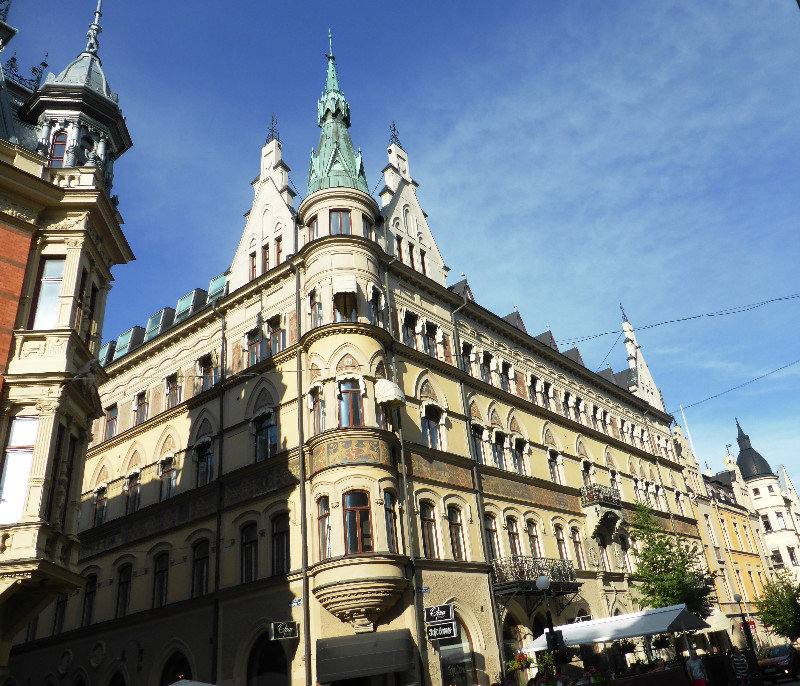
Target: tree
669, 568
780, 606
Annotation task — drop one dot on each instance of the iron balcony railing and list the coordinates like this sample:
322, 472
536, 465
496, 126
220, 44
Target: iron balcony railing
595, 493
521, 568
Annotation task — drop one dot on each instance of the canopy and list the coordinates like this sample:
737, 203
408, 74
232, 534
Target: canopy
645, 623
389, 393
348, 657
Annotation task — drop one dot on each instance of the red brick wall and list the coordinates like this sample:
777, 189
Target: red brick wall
15, 246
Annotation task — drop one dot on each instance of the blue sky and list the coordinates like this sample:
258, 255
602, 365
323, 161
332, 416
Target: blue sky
570, 154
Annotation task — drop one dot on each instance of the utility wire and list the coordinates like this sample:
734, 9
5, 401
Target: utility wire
609, 352
719, 313
741, 385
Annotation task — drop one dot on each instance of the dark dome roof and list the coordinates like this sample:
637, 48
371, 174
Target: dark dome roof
751, 463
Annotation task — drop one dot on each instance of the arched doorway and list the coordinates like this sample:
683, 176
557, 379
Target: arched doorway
175, 669
456, 659
267, 665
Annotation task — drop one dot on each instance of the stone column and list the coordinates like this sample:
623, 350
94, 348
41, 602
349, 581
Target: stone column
70, 283
42, 456
99, 315
45, 131
73, 136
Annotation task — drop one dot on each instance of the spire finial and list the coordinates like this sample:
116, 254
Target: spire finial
330, 44
272, 134
5, 5
95, 30
394, 139
624, 316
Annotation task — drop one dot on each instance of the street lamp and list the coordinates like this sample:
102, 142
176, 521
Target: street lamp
543, 584
745, 624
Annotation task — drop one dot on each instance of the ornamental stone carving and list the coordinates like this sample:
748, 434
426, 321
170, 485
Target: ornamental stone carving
16, 210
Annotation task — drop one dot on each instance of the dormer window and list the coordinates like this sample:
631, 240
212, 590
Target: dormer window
58, 150
340, 223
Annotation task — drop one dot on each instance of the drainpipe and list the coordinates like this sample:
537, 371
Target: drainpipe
476, 484
220, 497
302, 458
407, 500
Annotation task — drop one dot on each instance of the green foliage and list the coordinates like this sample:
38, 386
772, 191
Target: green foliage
669, 568
780, 606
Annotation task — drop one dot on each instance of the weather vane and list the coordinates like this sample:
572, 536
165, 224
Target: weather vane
394, 140
273, 134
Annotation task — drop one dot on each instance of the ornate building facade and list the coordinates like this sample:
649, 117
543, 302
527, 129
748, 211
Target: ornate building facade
294, 463
60, 236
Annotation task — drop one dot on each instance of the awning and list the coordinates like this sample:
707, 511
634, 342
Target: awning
344, 284
389, 393
645, 623
346, 657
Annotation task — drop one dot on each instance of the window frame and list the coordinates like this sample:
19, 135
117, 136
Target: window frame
390, 520
350, 399
340, 214
160, 579
124, 582
248, 559
60, 142
201, 565
455, 528
112, 417
133, 486
534, 542
89, 598
359, 511
205, 463
325, 549
514, 544
265, 429
431, 426
427, 526
492, 539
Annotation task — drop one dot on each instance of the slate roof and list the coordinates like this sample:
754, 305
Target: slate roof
751, 463
462, 288
547, 339
574, 355
515, 319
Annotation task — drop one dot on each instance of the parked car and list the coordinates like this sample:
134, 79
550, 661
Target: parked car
780, 662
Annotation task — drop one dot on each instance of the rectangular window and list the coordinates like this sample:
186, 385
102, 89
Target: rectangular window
781, 522
280, 544
792, 555
253, 348
456, 533
533, 539
265, 257
513, 536
69, 470
140, 408
777, 558
477, 443
411, 256
357, 523
200, 567
266, 431
486, 368
160, 579
89, 316
366, 228
277, 335
498, 451
58, 455
765, 521
48, 289
391, 521
429, 339
168, 476
504, 374
111, 422
315, 304
317, 411
206, 368
253, 266
340, 223
430, 426
350, 408
205, 463
313, 229
100, 503
399, 251
422, 266
124, 590
278, 251
249, 553
466, 358
132, 487
173, 391
409, 331
81, 301
60, 613
345, 307
324, 527
427, 522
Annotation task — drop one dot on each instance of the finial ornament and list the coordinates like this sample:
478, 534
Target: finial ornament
5, 5
395, 139
272, 134
92, 44
624, 316
330, 44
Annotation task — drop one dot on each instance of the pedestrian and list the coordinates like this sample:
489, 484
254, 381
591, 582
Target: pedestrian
696, 669
740, 665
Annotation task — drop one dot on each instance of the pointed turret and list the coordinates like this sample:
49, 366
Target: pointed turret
335, 163
77, 115
751, 463
637, 378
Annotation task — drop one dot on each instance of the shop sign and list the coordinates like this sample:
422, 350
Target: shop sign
439, 613
297, 602
423, 589
751, 623
441, 630
282, 630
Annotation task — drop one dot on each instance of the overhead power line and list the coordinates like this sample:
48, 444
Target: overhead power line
719, 313
741, 385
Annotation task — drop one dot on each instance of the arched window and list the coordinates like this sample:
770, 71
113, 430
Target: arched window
517, 452
324, 527
200, 567
577, 546
350, 410
477, 443
615, 483
586, 473
605, 563
204, 457
357, 523
456, 659
513, 536
280, 544
124, 578
430, 426
132, 488
160, 579
89, 596
390, 517
552, 466
533, 538
492, 542
175, 669
265, 429
427, 520
249, 552
58, 150
560, 542
498, 450
266, 665
456, 532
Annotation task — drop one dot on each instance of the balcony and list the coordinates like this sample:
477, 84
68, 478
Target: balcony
600, 495
515, 576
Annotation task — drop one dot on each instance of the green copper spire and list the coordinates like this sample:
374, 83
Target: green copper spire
335, 163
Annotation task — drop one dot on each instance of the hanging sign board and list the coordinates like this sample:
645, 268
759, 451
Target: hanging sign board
439, 613
282, 630
440, 630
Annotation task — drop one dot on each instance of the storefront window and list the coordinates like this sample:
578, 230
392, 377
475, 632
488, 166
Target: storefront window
456, 659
